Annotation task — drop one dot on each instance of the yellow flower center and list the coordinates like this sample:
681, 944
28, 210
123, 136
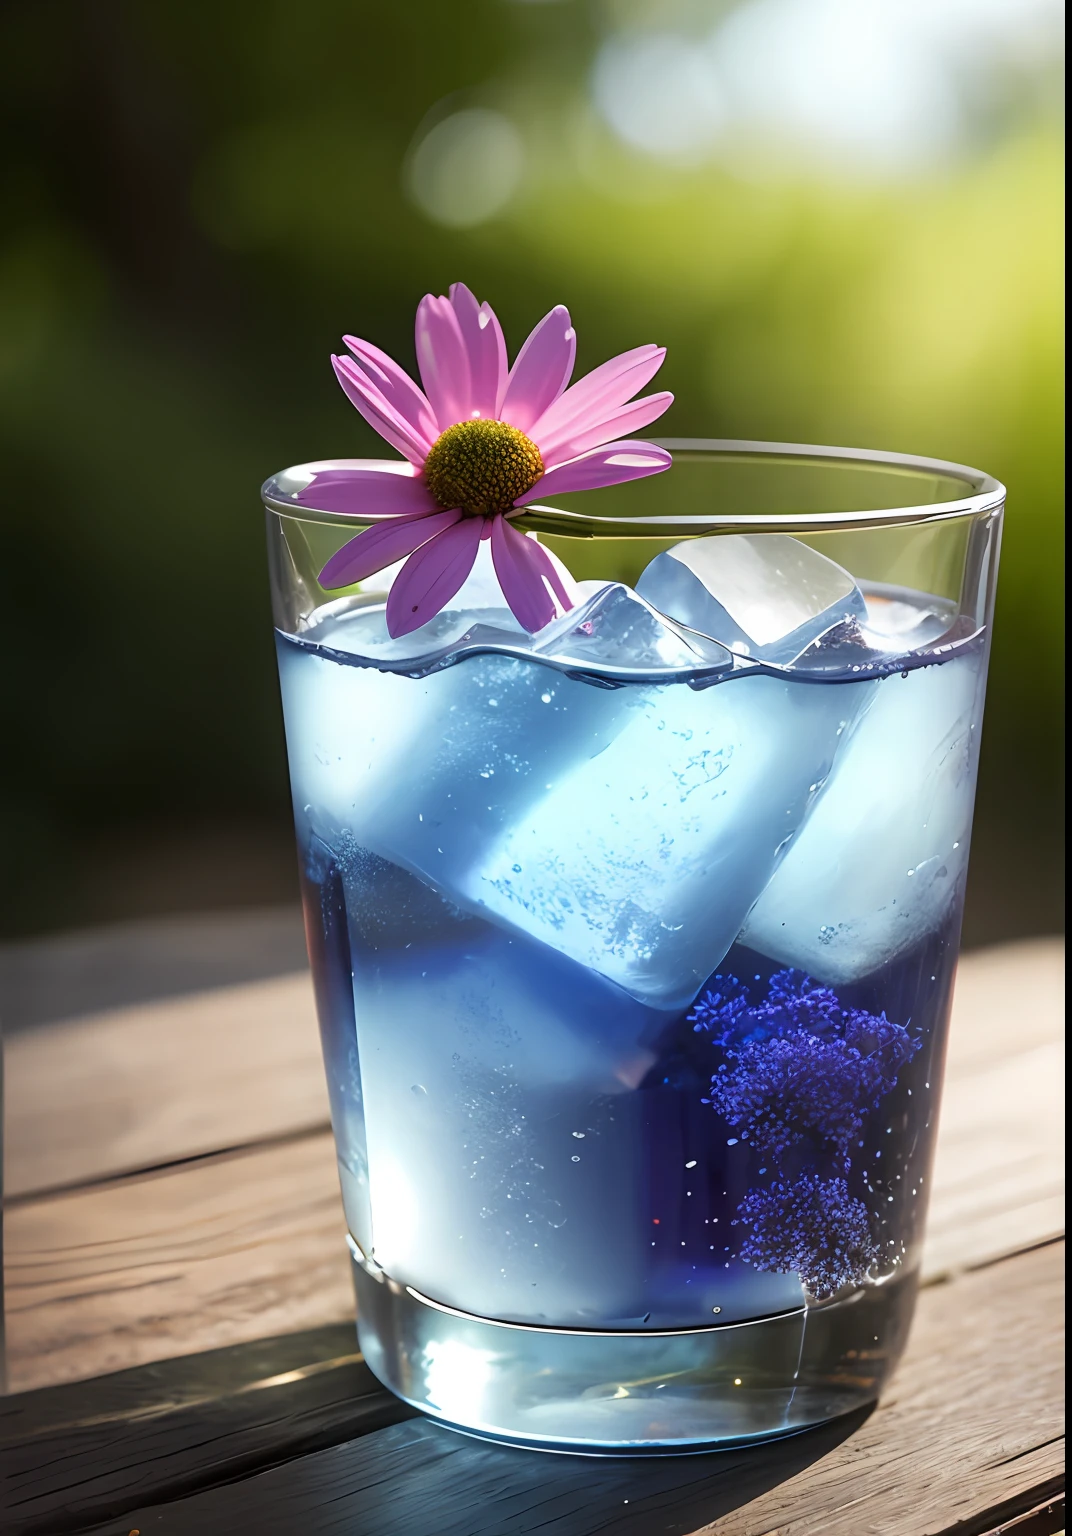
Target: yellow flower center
482, 467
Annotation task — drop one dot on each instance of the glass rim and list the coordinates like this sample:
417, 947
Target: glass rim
983, 494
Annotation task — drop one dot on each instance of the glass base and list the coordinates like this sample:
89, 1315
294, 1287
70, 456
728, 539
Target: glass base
631, 1394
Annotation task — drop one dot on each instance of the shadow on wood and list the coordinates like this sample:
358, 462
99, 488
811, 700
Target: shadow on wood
450, 1485
75, 1454
948, 1445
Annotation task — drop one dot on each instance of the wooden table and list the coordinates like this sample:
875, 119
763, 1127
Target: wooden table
173, 1233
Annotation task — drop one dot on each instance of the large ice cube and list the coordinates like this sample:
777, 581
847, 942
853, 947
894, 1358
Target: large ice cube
616, 628
877, 864
429, 771
642, 860
763, 595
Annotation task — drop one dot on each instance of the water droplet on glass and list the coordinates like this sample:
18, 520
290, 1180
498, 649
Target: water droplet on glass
420, 1090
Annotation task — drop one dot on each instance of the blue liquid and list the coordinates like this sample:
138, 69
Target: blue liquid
525, 893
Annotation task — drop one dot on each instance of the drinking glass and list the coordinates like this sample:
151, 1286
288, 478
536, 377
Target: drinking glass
633, 941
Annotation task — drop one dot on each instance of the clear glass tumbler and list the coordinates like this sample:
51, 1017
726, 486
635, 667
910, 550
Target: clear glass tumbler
633, 941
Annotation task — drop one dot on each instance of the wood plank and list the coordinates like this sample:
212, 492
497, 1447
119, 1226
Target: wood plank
998, 1182
1022, 984
197, 1257
144, 1268
970, 1427
135, 1087
92, 970
75, 1454
1046, 1519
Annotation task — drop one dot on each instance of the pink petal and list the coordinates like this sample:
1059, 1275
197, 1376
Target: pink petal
486, 347
627, 418
541, 370
443, 361
372, 492
541, 560
609, 465
377, 411
592, 398
520, 569
432, 576
396, 386
382, 545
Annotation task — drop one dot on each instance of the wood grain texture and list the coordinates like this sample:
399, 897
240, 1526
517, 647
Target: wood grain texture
203, 1255
90, 970
232, 1248
135, 1087
998, 1181
76, 1454
971, 1424
1045, 1519
1022, 985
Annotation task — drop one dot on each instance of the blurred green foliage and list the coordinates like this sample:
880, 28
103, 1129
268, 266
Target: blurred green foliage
200, 199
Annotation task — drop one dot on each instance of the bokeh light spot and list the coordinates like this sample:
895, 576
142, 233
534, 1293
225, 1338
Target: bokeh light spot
466, 168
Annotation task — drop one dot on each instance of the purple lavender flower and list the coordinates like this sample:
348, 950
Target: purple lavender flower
718, 1011
783, 1091
886, 1046
812, 1227
800, 1070
798, 1066
795, 1002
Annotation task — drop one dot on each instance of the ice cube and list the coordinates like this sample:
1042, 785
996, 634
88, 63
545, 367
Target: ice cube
902, 621
642, 860
844, 648
479, 1058
897, 624
429, 771
878, 863
617, 628
763, 595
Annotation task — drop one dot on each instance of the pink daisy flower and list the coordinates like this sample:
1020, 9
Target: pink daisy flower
481, 441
